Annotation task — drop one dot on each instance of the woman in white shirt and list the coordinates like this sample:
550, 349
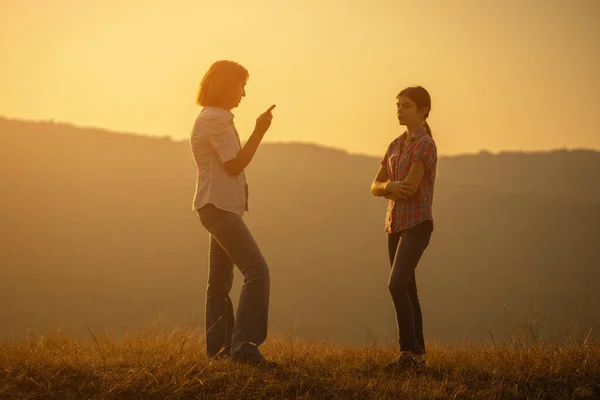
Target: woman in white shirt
221, 198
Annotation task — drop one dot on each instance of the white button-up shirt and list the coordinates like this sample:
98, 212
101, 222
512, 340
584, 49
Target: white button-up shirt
214, 141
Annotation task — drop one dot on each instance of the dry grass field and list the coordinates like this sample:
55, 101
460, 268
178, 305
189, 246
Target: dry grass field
172, 365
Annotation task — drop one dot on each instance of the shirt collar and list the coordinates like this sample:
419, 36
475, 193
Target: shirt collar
417, 135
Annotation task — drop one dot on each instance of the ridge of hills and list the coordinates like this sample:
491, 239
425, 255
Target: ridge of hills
97, 227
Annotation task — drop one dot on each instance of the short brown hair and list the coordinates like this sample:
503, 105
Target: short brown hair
218, 83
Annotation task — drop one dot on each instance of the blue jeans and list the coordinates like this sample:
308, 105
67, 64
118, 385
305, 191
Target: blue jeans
405, 249
232, 243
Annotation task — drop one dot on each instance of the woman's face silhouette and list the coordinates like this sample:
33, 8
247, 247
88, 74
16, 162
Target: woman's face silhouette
408, 112
238, 93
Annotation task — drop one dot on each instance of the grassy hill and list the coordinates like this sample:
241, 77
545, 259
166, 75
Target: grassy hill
96, 227
172, 365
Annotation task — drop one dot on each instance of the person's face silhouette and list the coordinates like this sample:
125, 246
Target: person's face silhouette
238, 93
408, 112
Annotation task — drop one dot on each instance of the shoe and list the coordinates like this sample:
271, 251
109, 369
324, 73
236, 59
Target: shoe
249, 354
404, 362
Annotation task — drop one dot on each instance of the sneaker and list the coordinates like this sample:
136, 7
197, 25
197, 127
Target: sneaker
404, 362
421, 363
250, 354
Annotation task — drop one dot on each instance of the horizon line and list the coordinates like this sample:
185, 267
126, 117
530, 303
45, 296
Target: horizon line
482, 151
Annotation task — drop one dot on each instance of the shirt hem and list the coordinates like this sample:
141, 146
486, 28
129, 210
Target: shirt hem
405, 227
236, 212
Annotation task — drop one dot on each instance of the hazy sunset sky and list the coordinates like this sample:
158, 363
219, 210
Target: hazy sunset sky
503, 75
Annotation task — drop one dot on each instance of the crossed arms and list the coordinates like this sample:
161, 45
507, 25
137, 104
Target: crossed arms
398, 190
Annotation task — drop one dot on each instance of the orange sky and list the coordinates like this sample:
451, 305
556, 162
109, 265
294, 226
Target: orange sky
512, 74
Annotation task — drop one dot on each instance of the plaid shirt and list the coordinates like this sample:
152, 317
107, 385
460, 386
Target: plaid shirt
407, 213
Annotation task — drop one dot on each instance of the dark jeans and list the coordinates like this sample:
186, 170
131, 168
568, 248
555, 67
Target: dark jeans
232, 243
405, 250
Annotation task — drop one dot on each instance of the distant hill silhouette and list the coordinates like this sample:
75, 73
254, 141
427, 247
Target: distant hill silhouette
97, 227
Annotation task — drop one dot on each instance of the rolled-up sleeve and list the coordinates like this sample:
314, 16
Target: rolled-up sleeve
221, 138
425, 151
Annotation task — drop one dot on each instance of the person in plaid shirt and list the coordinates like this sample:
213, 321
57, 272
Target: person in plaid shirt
406, 178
